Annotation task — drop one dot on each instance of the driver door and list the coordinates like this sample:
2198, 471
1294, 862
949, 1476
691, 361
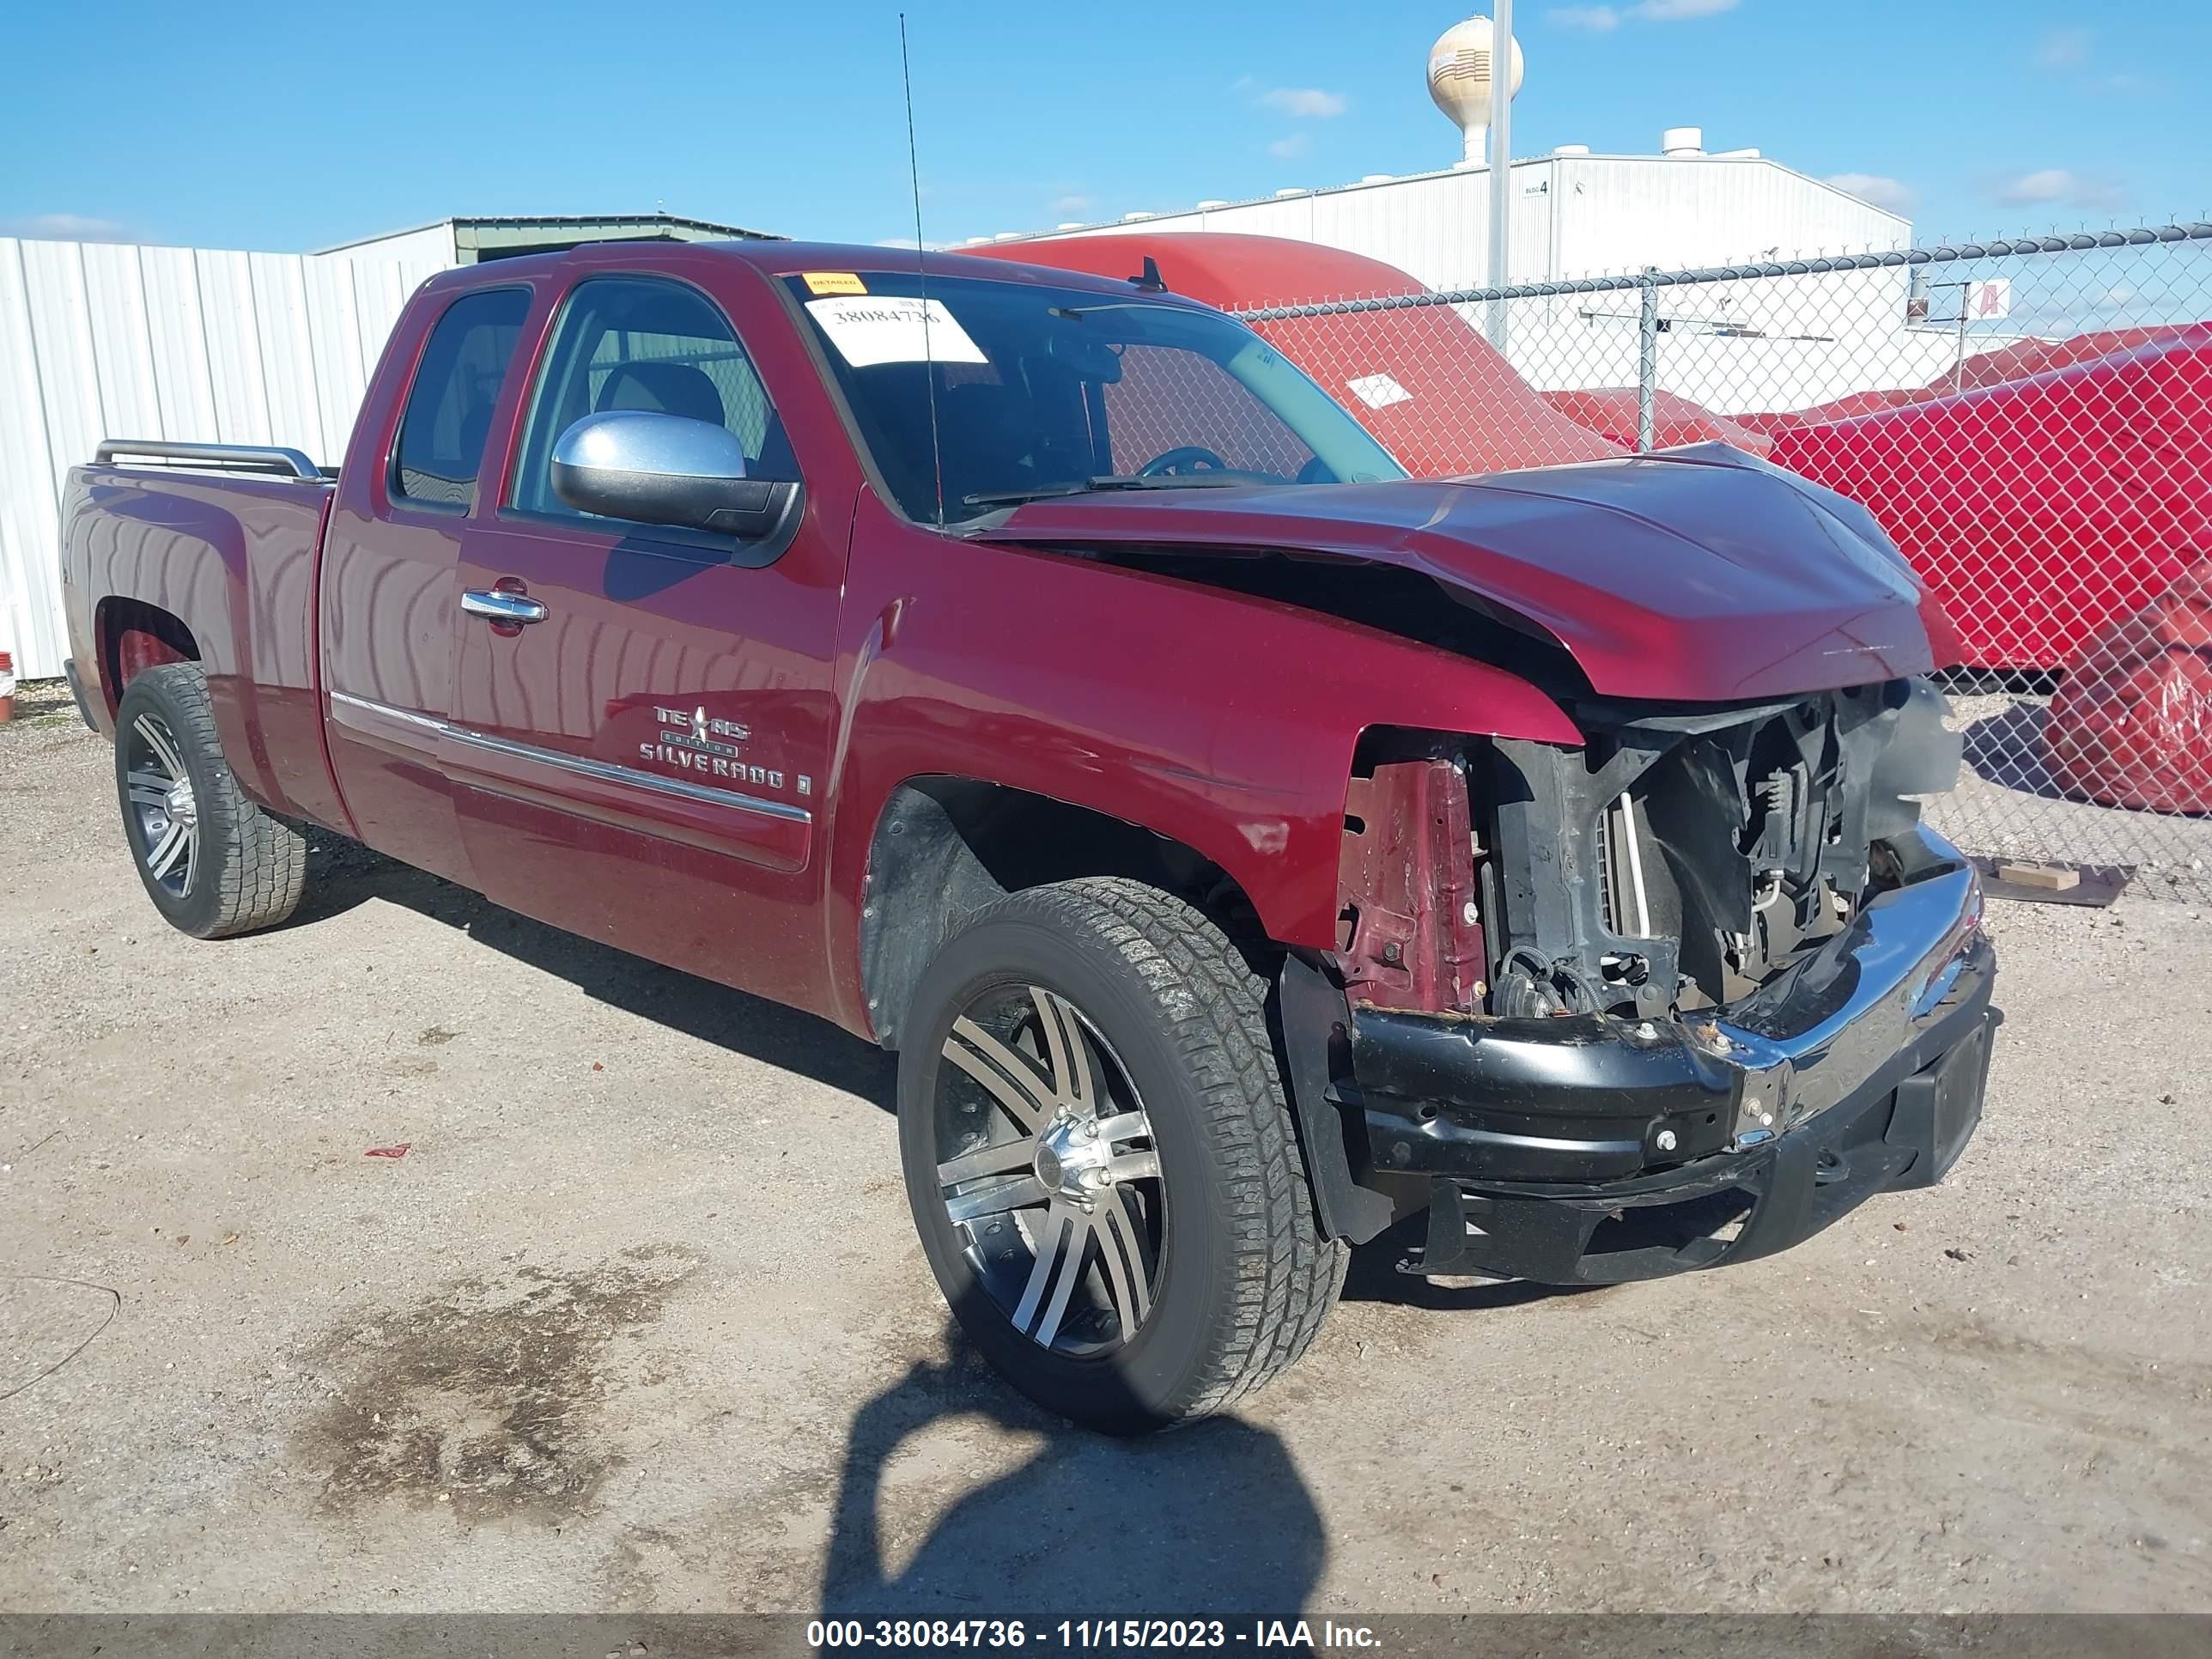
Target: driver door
642, 714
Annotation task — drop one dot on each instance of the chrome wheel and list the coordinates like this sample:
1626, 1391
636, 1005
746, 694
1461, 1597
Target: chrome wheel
164, 811
1053, 1184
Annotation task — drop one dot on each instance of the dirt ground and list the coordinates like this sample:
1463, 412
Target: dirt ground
638, 1321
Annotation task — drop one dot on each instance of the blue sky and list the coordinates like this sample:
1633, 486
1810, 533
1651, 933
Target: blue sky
292, 126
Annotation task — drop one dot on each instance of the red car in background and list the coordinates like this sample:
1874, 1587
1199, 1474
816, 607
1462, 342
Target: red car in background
2040, 510
1438, 395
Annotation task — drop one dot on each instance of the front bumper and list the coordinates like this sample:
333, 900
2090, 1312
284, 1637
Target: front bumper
1589, 1150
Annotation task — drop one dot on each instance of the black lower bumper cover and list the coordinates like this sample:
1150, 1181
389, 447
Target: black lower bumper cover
1894, 1134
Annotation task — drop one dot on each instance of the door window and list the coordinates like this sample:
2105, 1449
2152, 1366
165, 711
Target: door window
448, 414
637, 343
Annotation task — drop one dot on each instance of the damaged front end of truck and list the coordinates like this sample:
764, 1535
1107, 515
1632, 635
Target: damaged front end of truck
1678, 997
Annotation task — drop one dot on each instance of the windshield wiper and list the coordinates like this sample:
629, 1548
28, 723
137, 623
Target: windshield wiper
1106, 480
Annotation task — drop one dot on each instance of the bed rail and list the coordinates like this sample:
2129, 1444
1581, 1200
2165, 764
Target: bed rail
238, 458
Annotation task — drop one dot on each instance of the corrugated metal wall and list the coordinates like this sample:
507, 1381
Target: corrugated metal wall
109, 340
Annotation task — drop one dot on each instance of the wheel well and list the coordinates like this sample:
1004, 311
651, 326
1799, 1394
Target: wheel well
946, 846
133, 637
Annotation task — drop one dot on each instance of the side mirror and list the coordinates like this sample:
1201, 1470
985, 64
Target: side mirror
653, 468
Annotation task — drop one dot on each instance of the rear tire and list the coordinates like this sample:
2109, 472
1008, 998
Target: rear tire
1190, 1269
213, 862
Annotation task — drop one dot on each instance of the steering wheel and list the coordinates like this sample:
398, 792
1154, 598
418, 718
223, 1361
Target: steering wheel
1183, 458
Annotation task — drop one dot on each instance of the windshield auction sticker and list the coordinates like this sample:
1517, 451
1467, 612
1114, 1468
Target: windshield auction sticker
891, 328
835, 282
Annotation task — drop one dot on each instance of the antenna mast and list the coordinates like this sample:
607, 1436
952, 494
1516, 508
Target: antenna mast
922, 274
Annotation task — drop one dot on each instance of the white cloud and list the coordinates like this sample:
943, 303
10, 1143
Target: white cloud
1287, 148
1305, 101
2063, 49
1599, 19
1877, 188
66, 227
2050, 186
1071, 203
2073, 55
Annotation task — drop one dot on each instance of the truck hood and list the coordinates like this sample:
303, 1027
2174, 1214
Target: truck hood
1699, 574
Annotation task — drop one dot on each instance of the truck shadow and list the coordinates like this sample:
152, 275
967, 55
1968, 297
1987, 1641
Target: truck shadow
1213, 1519
345, 874
2010, 750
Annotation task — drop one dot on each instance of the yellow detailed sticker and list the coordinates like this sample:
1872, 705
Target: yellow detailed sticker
834, 281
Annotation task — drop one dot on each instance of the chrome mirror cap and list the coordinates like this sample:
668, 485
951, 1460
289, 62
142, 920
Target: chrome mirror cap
653, 468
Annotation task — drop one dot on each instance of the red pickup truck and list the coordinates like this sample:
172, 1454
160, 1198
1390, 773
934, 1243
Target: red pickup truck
1245, 847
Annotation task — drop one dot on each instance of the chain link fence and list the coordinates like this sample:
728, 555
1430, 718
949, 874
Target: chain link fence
2031, 420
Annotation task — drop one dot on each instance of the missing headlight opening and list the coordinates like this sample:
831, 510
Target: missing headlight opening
1676, 862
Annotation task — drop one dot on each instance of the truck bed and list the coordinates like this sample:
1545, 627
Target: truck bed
195, 541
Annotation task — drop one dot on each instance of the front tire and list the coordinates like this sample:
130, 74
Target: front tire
1100, 1160
213, 862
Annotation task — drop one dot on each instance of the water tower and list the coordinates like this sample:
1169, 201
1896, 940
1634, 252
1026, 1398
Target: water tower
1459, 74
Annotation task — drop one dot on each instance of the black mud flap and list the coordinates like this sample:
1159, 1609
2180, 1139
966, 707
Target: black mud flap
1315, 1018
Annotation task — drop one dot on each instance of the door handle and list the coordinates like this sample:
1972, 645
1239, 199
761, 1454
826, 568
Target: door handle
501, 606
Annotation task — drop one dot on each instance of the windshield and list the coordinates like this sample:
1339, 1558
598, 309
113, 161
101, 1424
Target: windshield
1044, 391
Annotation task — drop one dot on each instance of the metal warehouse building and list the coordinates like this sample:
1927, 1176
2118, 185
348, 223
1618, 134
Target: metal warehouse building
1574, 213
115, 340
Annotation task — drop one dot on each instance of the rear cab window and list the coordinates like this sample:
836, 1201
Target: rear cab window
449, 406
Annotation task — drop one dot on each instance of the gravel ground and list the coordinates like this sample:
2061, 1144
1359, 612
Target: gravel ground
638, 1322
44, 702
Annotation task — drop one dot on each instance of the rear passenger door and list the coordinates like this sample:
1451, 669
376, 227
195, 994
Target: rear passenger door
386, 590
637, 755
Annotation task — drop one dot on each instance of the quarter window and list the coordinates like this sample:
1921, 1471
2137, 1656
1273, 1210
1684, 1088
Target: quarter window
448, 414
637, 343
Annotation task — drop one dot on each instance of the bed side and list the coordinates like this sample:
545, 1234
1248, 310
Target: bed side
160, 565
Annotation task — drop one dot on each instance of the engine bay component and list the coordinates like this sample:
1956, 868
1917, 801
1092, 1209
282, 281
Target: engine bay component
1678, 861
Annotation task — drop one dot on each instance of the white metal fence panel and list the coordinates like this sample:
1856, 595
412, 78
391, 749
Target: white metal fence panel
178, 332
334, 336
288, 353
30, 600
108, 340
241, 396
122, 344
